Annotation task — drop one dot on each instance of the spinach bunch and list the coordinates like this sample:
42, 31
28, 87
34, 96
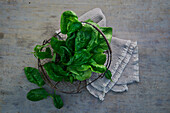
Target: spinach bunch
80, 54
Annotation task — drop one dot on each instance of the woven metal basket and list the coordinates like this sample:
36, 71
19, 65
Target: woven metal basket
76, 86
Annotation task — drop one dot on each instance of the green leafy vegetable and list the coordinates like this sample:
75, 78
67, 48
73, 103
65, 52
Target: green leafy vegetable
69, 22
37, 94
42, 55
97, 67
108, 75
55, 44
34, 76
65, 54
72, 59
83, 67
83, 37
73, 26
83, 75
107, 32
91, 22
58, 102
101, 43
80, 57
54, 71
99, 58
46, 54
70, 42
80, 75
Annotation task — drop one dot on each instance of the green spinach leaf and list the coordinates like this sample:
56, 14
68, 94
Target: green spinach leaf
73, 26
99, 58
65, 54
70, 42
55, 44
58, 102
91, 22
80, 75
83, 67
81, 57
46, 54
38, 48
107, 32
54, 71
83, 37
108, 75
83, 75
42, 55
97, 67
69, 22
101, 43
34, 76
93, 41
37, 94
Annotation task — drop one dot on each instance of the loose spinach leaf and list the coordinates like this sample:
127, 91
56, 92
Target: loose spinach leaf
84, 75
91, 22
55, 44
80, 57
107, 32
83, 37
97, 43
99, 58
65, 54
42, 55
34, 76
101, 43
70, 42
69, 22
97, 67
108, 75
53, 71
73, 70
59, 69
80, 75
73, 26
93, 41
46, 54
37, 94
58, 102
83, 67
38, 48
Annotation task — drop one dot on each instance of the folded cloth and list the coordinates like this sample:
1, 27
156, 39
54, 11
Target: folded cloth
124, 66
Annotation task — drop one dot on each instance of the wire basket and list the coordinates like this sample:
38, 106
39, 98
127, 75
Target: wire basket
76, 86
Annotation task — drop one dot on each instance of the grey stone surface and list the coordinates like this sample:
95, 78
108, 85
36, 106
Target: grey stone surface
24, 23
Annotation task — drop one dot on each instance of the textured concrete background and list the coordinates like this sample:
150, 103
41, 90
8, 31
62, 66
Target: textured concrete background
24, 23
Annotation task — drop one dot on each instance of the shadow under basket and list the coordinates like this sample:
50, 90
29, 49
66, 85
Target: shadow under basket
76, 86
